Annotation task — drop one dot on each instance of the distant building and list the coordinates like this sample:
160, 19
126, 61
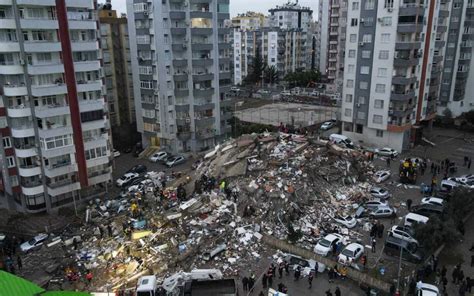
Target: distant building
117, 67
249, 21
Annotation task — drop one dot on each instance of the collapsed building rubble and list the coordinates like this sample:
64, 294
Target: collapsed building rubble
214, 215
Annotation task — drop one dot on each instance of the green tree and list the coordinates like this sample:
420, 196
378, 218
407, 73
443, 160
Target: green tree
303, 79
271, 75
257, 68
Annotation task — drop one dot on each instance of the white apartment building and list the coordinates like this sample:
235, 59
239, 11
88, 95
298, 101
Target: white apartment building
388, 91
55, 148
457, 89
181, 57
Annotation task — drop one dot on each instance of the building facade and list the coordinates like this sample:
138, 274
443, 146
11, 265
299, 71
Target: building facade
457, 84
117, 67
55, 148
388, 92
249, 21
282, 49
181, 59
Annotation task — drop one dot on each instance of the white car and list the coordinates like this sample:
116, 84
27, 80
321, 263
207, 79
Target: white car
116, 153
126, 178
348, 221
234, 88
423, 289
162, 155
175, 161
468, 177
327, 125
386, 151
379, 192
382, 212
34, 242
374, 204
325, 245
433, 201
402, 232
466, 182
381, 176
351, 253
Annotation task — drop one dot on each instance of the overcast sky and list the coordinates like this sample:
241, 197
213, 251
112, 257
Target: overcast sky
240, 6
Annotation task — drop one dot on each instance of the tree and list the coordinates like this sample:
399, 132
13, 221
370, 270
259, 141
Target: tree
271, 75
303, 78
257, 68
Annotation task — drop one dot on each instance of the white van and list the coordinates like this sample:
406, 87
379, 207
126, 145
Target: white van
448, 185
341, 139
412, 218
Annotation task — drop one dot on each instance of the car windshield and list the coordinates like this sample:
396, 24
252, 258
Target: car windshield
32, 241
325, 243
347, 253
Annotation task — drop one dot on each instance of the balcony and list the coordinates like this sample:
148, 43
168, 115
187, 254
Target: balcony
205, 134
201, 31
59, 169
19, 111
225, 45
35, 2
204, 121
23, 131
14, 90
95, 142
181, 92
180, 62
402, 96
86, 24
202, 62
205, 45
203, 92
64, 150
440, 44
12, 68
51, 110
91, 85
405, 62
25, 151
409, 28
444, 13
29, 170
8, 46
225, 75
98, 161
204, 106
85, 46
43, 46
179, 47
178, 31
437, 58
59, 188
32, 188
177, 14
100, 177
201, 14
412, 9
48, 90
45, 69
184, 136
96, 124
203, 77
75, 3
54, 131
462, 75
91, 105
87, 66
400, 45
8, 22
180, 77
43, 24
403, 80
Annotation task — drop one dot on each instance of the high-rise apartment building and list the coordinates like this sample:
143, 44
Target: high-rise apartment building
55, 147
117, 68
281, 48
181, 58
457, 84
249, 21
391, 67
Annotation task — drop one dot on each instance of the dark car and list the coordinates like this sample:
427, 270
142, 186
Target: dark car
139, 169
427, 209
411, 252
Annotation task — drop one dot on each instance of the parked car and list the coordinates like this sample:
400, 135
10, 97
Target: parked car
325, 245
327, 125
409, 250
412, 218
351, 252
433, 201
423, 289
466, 182
389, 152
158, 156
348, 221
33, 243
427, 209
341, 140
383, 212
138, 169
116, 153
468, 177
402, 232
175, 161
125, 179
374, 204
381, 176
294, 261
379, 192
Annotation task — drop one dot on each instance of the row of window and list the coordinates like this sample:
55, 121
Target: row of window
96, 152
376, 119
367, 38
56, 142
381, 72
378, 104
379, 87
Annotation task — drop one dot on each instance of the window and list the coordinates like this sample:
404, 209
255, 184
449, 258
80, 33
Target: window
379, 133
350, 83
92, 115
6, 142
359, 128
10, 161
56, 142
377, 119
348, 98
361, 100
355, 5
385, 38
96, 152
145, 70
351, 69
352, 53
364, 70
140, 7
367, 38
457, 4
354, 22
366, 54
353, 38
146, 84
14, 181
360, 115
348, 112
383, 54
364, 85
388, 4
369, 4
382, 72
387, 21
378, 104
380, 88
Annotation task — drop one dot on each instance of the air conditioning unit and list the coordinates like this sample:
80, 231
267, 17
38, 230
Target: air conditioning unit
361, 43
362, 20
390, 9
380, 19
358, 105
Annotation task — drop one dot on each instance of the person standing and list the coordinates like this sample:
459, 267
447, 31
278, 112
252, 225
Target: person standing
89, 277
409, 203
455, 274
328, 292
297, 273
280, 269
374, 242
310, 280
251, 282
337, 292
270, 280
19, 263
388, 162
287, 267
245, 283
264, 280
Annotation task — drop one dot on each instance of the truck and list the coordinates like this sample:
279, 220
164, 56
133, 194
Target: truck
198, 282
408, 171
